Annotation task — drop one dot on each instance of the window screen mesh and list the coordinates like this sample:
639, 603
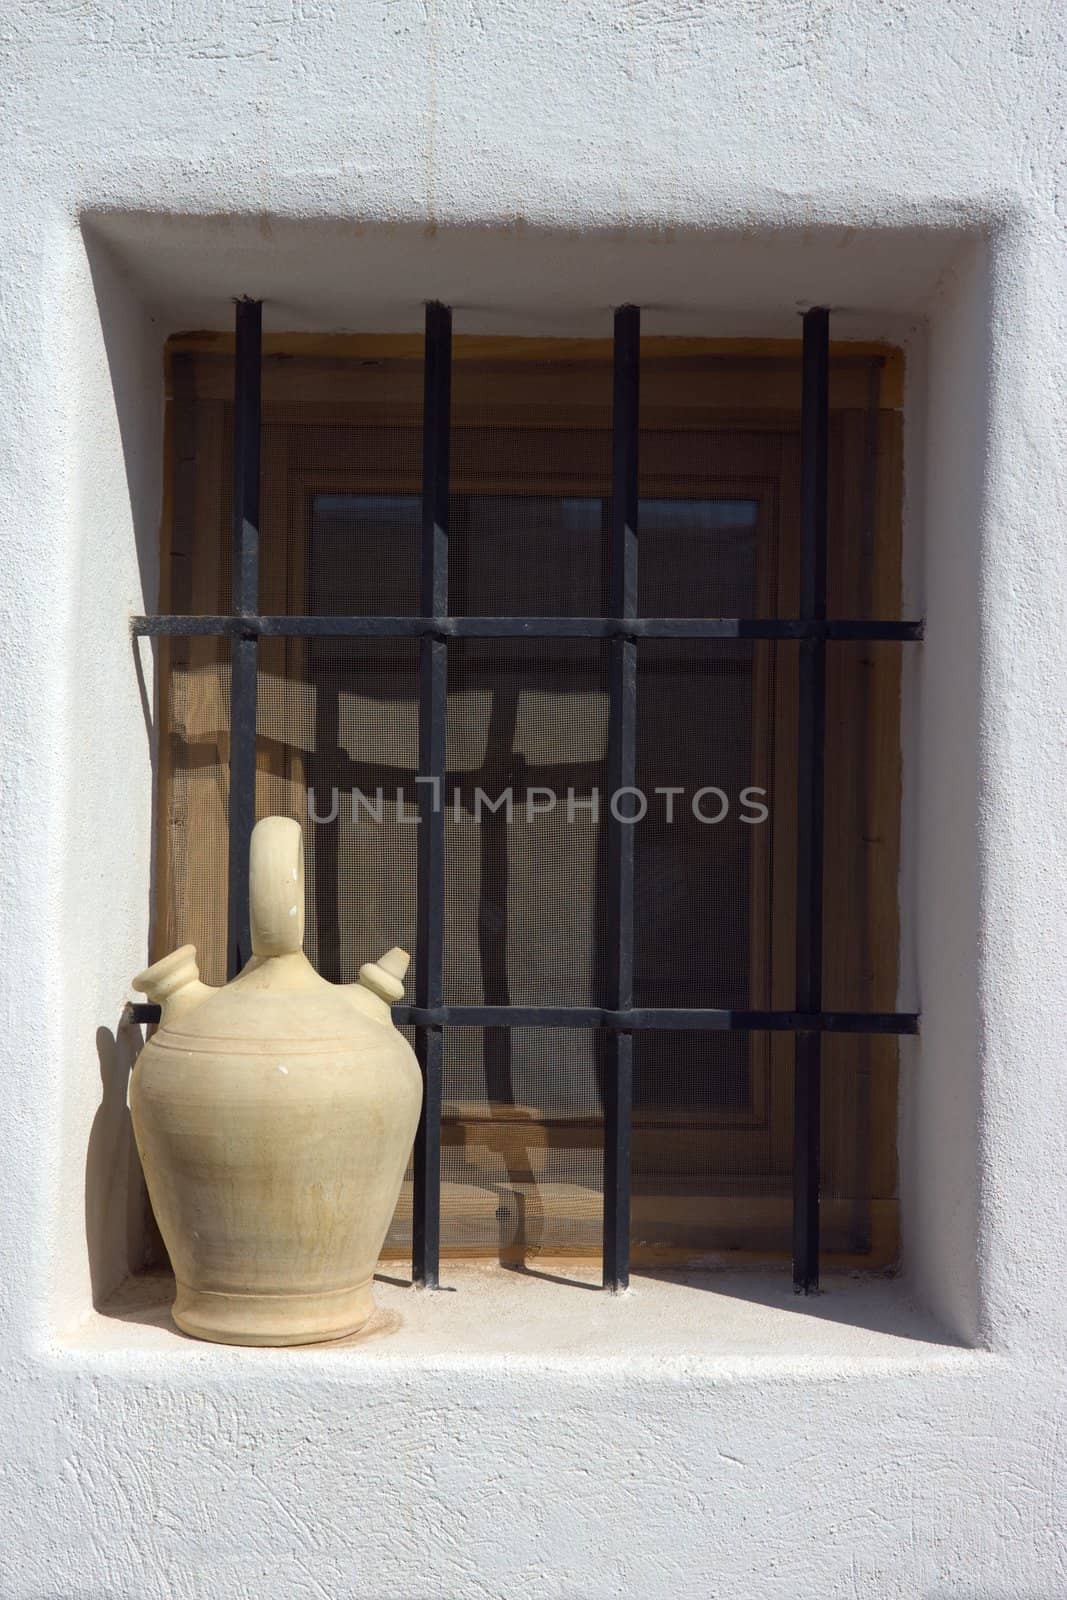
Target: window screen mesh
524, 878
527, 781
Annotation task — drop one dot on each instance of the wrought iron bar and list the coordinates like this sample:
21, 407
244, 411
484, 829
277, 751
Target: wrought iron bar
433, 711
622, 747
291, 627
807, 1142
668, 1019
663, 1019
244, 649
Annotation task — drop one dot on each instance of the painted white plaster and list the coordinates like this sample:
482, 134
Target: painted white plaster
722, 164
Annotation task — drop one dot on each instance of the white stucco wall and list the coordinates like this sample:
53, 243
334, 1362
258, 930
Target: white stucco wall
722, 164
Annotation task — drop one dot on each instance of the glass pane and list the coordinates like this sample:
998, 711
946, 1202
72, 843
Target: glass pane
364, 555
527, 741
527, 555
697, 558
702, 755
359, 704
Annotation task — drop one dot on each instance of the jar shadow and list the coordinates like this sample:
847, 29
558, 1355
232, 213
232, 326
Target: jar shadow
121, 1237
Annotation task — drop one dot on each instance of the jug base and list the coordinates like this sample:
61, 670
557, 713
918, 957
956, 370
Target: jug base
272, 1319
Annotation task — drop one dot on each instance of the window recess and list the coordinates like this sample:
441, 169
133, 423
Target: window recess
430, 577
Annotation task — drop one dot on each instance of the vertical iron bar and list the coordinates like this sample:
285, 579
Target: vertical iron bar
433, 711
622, 746
243, 657
814, 444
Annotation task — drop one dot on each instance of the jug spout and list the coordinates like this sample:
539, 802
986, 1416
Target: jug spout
174, 983
381, 984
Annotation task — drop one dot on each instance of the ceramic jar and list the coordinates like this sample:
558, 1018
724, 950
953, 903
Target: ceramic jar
274, 1118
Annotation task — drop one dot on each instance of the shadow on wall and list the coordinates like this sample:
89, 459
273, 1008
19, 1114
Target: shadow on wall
120, 434
133, 344
120, 1233
133, 337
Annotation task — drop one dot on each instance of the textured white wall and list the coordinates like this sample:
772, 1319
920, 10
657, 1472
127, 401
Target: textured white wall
720, 164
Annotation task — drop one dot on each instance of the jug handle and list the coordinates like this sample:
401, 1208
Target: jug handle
276, 887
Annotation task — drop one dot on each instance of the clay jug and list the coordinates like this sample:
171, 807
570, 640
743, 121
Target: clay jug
274, 1118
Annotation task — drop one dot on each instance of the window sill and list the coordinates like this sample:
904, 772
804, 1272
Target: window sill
553, 1317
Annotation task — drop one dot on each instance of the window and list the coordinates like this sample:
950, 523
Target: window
562, 734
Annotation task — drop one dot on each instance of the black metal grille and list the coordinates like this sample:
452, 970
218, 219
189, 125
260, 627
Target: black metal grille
434, 628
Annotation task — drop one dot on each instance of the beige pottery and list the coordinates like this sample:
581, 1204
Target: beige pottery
274, 1119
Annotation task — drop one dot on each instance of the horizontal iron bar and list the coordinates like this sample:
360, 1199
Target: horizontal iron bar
639, 1020
659, 1018
526, 628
